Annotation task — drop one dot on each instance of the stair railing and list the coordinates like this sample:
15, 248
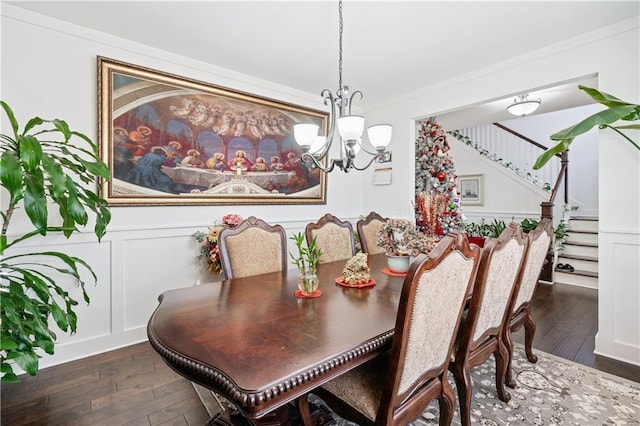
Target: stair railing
547, 206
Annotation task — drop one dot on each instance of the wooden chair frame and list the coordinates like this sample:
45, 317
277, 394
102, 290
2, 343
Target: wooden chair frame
402, 408
521, 315
469, 352
362, 224
250, 222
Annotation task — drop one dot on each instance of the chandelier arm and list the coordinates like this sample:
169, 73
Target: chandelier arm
357, 92
329, 99
375, 157
306, 158
367, 151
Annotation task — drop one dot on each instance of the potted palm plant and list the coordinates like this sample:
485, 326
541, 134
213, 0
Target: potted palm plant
44, 162
617, 109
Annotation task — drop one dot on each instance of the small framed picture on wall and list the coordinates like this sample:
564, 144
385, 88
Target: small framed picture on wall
471, 189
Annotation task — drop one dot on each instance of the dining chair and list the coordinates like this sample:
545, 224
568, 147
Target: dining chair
333, 236
539, 241
368, 233
481, 332
397, 386
251, 248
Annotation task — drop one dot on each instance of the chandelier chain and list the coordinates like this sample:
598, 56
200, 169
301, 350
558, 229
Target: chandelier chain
340, 49
344, 128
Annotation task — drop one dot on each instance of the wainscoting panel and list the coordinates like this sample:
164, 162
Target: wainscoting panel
133, 266
152, 265
618, 294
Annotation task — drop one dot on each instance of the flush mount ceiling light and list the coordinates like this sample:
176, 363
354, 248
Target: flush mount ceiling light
523, 106
349, 127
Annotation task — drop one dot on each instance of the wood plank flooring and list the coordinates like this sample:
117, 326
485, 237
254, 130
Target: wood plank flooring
133, 386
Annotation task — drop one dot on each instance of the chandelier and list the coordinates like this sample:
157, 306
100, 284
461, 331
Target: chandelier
315, 148
523, 106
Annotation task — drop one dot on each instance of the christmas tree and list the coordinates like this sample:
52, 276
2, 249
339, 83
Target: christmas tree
437, 201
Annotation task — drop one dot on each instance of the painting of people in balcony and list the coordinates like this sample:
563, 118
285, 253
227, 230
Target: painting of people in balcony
170, 140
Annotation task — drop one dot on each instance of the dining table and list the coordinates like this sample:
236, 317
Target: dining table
253, 341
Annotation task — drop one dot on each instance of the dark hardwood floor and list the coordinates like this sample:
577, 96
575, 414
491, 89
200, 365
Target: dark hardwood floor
132, 386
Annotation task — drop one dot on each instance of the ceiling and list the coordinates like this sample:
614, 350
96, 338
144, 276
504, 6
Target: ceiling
390, 47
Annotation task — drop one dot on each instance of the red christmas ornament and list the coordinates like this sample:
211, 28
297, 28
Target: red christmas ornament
441, 176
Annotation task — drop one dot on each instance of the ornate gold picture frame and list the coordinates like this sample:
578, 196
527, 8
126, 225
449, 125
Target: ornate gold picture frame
170, 140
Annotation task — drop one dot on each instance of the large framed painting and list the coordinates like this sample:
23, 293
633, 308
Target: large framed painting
170, 140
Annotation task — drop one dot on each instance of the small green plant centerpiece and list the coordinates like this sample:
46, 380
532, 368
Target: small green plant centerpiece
45, 164
307, 263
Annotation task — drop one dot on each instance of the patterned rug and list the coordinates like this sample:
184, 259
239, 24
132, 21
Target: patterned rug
553, 391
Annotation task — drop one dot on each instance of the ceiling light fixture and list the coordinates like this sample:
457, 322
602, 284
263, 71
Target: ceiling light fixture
316, 148
522, 106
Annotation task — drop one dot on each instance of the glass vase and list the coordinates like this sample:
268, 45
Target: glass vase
308, 282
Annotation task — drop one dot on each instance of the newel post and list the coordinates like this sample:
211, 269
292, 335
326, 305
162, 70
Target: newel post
547, 269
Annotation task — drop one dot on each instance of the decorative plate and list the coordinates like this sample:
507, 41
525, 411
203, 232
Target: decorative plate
394, 274
313, 295
370, 283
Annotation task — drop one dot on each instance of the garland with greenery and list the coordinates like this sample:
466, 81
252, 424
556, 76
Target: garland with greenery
507, 164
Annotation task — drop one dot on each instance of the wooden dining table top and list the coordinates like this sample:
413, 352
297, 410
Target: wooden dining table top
257, 344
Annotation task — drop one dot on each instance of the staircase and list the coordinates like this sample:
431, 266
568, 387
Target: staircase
581, 252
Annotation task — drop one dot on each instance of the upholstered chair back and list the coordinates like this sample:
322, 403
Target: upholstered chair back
435, 300
502, 261
539, 242
253, 247
368, 233
333, 236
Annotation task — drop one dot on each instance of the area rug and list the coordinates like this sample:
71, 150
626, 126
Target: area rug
553, 391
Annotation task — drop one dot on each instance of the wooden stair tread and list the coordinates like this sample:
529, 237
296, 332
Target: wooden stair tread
577, 257
578, 272
581, 231
575, 243
586, 218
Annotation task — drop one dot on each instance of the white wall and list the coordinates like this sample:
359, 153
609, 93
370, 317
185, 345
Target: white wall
49, 69
611, 53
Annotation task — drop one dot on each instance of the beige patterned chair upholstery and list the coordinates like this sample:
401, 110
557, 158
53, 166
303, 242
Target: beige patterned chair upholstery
333, 236
253, 247
396, 387
367, 232
539, 242
482, 330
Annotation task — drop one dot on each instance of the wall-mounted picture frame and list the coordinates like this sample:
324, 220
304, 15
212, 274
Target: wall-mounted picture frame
170, 140
471, 189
